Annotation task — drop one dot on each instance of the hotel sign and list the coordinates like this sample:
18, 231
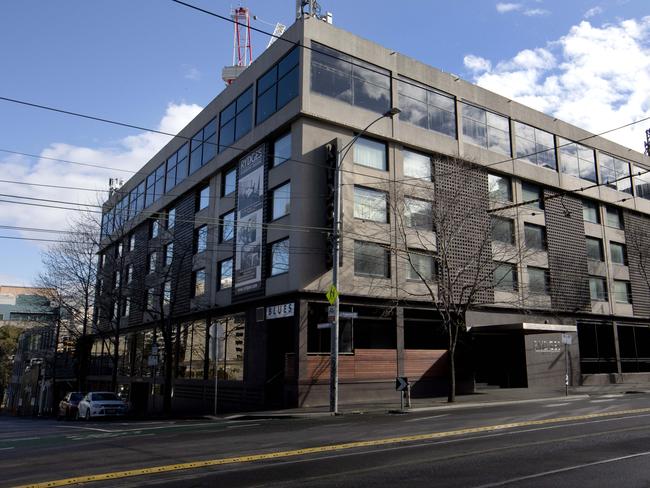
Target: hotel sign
279, 311
248, 240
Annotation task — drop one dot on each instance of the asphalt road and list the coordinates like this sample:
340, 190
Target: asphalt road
600, 441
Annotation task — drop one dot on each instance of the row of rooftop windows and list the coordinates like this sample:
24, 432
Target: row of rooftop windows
274, 89
338, 75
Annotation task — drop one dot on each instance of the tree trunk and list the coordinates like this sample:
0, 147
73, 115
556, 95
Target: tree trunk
451, 394
167, 389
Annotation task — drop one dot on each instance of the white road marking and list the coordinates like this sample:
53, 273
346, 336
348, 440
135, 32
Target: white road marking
552, 405
5, 448
564, 470
428, 418
116, 431
18, 439
602, 400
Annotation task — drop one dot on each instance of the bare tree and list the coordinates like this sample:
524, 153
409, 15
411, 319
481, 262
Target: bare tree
68, 280
444, 234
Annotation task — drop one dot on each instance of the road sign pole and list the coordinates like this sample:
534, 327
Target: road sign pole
334, 351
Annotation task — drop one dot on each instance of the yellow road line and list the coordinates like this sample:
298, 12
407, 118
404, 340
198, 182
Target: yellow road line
314, 450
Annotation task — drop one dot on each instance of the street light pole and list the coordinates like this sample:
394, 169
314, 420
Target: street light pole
337, 231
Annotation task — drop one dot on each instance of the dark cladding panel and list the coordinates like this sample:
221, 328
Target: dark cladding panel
462, 200
567, 253
137, 290
637, 238
181, 273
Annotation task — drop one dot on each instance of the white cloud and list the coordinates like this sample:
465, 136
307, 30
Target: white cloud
536, 12
191, 73
597, 78
504, 8
129, 153
592, 12
477, 63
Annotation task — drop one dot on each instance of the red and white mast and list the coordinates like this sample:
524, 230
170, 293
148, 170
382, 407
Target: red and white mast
242, 53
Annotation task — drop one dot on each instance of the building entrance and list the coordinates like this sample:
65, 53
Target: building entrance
499, 359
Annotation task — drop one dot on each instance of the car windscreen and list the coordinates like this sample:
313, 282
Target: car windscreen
102, 397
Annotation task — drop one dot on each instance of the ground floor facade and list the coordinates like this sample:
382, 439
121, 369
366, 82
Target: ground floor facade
274, 353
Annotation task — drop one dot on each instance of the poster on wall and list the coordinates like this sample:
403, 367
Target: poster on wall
248, 240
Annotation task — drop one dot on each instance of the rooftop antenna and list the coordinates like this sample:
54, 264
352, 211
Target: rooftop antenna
647, 142
242, 51
311, 8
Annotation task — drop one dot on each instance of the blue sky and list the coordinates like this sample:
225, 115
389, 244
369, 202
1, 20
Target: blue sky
155, 63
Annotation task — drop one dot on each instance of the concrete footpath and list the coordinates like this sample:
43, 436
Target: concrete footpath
481, 398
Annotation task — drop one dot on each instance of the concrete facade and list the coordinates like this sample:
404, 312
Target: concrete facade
275, 355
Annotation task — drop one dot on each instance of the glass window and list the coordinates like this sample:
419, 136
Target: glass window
615, 173
117, 279
418, 214
126, 307
421, 267
177, 167
538, 282
203, 200
486, 129
281, 201
597, 289
282, 149
417, 165
426, 107
370, 153
129, 274
201, 239
171, 218
535, 236
155, 229
590, 211
232, 348
617, 252
505, 277
503, 230
227, 228
278, 86
348, 79
641, 182
225, 274
152, 260
595, 249
131, 242
533, 192
622, 292
371, 259
229, 182
577, 160
169, 253
167, 292
280, 257
499, 188
614, 218
370, 204
535, 146
151, 299
198, 278
236, 119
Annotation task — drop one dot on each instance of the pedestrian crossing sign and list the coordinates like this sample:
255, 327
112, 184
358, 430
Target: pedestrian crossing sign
332, 294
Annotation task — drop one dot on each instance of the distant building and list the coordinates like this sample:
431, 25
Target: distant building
230, 224
30, 389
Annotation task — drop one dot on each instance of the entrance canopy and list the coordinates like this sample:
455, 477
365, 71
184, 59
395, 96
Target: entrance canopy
525, 327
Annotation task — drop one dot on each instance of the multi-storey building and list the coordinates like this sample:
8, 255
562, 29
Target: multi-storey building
230, 224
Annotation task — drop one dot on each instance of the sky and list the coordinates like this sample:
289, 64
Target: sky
155, 64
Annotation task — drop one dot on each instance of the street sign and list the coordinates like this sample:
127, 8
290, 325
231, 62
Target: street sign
348, 315
567, 339
331, 313
324, 325
401, 383
332, 294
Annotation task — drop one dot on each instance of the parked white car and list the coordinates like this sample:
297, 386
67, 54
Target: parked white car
101, 404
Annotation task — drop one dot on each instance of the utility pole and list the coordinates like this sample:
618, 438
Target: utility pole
338, 230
